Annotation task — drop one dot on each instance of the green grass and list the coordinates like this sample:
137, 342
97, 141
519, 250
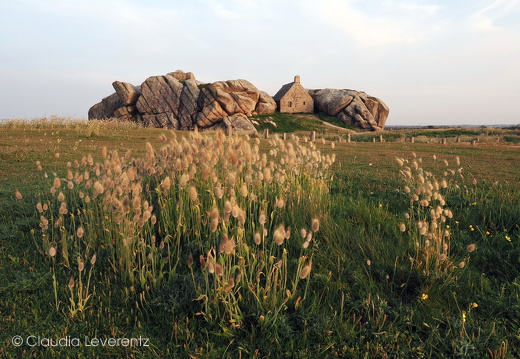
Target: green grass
512, 139
287, 123
364, 296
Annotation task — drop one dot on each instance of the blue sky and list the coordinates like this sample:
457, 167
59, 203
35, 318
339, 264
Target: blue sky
432, 62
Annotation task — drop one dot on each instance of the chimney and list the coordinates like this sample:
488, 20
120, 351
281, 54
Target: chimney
297, 79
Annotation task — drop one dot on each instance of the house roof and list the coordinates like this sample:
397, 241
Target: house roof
281, 93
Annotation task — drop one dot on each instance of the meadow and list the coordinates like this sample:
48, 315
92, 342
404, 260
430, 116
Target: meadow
122, 241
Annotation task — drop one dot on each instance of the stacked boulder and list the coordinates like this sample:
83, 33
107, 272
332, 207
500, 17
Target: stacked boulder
178, 101
355, 108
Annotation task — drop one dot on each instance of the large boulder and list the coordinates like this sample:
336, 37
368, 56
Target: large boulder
211, 112
266, 104
128, 93
355, 108
125, 113
182, 76
162, 120
239, 123
235, 96
225, 98
331, 101
188, 104
160, 94
105, 109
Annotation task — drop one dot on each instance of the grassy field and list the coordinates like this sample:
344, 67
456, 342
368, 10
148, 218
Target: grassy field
206, 246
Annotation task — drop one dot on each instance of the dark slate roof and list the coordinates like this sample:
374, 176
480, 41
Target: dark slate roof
281, 93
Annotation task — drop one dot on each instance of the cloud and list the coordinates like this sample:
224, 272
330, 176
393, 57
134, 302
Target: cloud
497, 15
388, 22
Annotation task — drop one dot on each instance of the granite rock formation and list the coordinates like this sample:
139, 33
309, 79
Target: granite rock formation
355, 108
178, 101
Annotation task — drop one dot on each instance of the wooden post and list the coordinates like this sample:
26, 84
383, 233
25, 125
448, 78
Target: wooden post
412, 139
348, 137
381, 138
266, 132
374, 139
313, 136
473, 141
458, 139
284, 136
443, 141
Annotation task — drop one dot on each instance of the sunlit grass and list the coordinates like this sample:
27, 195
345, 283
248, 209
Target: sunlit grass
218, 246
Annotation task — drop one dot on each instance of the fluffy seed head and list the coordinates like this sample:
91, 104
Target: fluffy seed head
193, 193
57, 182
80, 232
166, 183
471, 248
315, 225
279, 235
219, 270
306, 270
258, 238
280, 203
243, 190
219, 192
52, 251
231, 179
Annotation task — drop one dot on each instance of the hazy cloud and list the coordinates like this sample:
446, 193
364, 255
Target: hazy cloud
430, 61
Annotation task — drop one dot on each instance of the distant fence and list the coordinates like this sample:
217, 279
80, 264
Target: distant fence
312, 137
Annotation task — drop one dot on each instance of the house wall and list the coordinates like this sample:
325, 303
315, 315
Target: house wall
297, 99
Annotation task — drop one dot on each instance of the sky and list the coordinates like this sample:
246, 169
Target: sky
432, 62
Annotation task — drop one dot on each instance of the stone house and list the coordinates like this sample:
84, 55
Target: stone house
292, 98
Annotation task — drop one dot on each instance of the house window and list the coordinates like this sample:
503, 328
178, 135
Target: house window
303, 103
289, 104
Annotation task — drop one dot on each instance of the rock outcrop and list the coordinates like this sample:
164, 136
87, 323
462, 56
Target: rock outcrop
266, 104
106, 108
177, 100
355, 108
